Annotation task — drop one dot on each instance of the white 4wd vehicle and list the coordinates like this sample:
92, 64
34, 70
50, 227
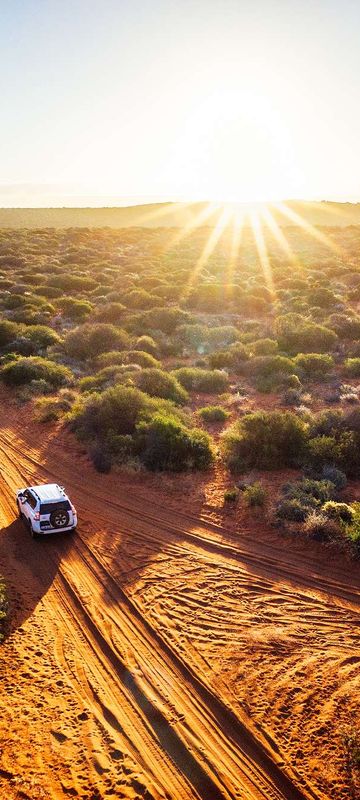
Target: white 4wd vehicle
46, 509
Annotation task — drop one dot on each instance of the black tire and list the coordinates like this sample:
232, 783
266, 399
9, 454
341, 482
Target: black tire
33, 533
59, 519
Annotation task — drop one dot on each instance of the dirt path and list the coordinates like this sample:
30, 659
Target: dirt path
153, 655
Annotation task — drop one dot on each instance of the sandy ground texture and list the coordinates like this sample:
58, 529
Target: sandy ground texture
163, 651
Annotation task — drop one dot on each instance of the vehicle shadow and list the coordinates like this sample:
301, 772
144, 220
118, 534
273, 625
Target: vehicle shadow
28, 567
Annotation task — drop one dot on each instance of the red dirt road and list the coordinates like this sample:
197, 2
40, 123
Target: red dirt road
155, 655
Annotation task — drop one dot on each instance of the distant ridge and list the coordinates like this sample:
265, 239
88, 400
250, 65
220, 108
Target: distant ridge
155, 215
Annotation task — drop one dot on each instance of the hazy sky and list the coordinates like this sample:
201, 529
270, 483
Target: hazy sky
106, 100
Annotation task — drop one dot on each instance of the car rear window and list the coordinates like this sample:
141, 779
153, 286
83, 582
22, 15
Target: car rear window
48, 508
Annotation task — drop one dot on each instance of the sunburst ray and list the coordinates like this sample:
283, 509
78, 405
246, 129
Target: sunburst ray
208, 249
306, 226
260, 243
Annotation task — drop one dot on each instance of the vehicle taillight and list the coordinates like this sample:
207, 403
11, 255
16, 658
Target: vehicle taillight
37, 516
73, 509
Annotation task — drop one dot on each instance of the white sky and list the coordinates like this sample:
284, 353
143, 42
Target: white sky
111, 101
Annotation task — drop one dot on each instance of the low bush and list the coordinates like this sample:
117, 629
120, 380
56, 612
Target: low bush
310, 492
8, 332
24, 370
268, 373
41, 336
338, 511
352, 367
157, 383
202, 380
165, 444
323, 450
352, 530
265, 440
142, 358
234, 358
264, 347
255, 495
111, 359
115, 411
336, 476
164, 319
77, 310
291, 510
125, 422
88, 341
147, 345
231, 495
292, 397
296, 334
314, 366
213, 414
73, 283
319, 527
48, 409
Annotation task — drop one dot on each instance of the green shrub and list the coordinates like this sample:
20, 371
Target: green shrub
165, 444
213, 414
202, 380
231, 495
106, 377
111, 358
346, 327
142, 358
264, 347
291, 509
314, 366
74, 309
48, 291
299, 335
338, 511
139, 298
88, 341
25, 370
336, 476
234, 358
116, 411
352, 367
41, 336
147, 345
323, 297
292, 397
319, 527
157, 383
269, 372
311, 493
76, 283
8, 332
101, 458
323, 450
255, 495
265, 440
164, 319
48, 409
352, 530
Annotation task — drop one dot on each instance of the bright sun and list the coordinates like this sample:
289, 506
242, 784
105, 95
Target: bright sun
234, 147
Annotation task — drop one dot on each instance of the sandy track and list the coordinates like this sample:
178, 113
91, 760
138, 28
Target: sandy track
144, 619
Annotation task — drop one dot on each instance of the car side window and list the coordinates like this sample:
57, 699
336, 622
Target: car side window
31, 500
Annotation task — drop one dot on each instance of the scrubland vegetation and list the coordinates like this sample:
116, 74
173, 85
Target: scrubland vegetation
158, 364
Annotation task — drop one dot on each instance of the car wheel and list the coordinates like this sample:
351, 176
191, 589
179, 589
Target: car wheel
59, 519
33, 533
